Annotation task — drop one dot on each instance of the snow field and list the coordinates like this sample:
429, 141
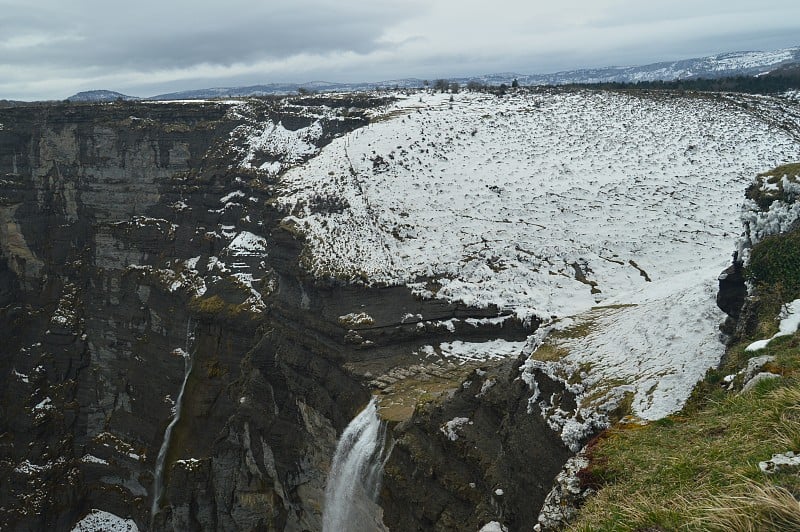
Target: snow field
497, 199
547, 205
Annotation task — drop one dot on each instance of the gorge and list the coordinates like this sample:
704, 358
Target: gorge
200, 300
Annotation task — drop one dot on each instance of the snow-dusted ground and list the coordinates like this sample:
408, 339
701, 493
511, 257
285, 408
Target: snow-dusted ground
529, 201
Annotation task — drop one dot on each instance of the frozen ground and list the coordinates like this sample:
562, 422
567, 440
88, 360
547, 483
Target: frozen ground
549, 204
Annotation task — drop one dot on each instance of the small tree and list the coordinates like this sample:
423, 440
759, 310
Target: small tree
475, 86
455, 87
515, 84
441, 85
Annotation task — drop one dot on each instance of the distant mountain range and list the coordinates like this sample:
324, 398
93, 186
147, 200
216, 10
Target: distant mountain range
715, 66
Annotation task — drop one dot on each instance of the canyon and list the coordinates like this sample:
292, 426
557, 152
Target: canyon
197, 298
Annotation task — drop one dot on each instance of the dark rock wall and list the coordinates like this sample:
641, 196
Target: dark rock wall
497, 461
101, 207
98, 206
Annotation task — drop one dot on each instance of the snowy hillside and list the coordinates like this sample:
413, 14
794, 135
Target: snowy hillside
716, 66
549, 205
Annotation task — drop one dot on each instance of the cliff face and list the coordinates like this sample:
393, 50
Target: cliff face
479, 456
142, 262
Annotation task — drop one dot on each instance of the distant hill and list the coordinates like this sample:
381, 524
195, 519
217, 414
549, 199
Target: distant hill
712, 67
99, 96
283, 88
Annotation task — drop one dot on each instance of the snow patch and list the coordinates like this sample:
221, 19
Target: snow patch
566, 496
479, 351
493, 526
780, 462
450, 428
246, 244
283, 145
360, 319
190, 464
91, 459
44, 404
790, 320
228, 197
28, 468
102, 521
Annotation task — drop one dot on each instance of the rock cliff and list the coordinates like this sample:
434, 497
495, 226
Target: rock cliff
143, 261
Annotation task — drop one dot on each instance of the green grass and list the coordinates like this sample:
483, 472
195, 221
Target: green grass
680, 473
791, 171
775, 262
764, 197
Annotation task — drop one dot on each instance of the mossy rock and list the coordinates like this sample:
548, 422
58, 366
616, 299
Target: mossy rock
216, 306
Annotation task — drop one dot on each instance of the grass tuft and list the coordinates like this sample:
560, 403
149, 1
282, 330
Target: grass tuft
754, 508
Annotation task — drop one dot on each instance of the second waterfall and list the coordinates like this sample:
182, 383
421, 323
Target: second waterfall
158, 475
355, 477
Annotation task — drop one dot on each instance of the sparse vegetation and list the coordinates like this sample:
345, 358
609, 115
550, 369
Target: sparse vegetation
441, 85
327, 203
775, 264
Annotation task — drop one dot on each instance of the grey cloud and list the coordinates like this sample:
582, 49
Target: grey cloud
145, 37
53, 48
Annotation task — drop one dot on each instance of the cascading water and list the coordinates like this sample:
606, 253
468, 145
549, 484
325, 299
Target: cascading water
355, 476
158, 481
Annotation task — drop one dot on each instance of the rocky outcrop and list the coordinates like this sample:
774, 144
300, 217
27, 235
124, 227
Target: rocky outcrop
476, 456
732, 295
770, 209
134, 235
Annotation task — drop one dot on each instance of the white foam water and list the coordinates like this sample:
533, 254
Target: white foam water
355, 476
158, 474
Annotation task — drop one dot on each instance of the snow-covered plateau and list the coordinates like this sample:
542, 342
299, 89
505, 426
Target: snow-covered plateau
551, 204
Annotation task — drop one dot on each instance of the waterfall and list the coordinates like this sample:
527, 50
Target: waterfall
158, 481
355, 476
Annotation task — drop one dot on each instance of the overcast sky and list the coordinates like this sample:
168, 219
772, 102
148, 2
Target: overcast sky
51, 49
